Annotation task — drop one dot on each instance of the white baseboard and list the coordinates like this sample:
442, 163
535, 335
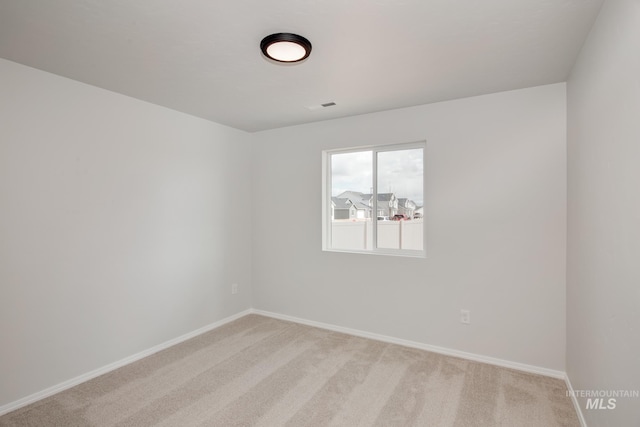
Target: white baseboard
112, 366
442, 350
413, 344
574, 399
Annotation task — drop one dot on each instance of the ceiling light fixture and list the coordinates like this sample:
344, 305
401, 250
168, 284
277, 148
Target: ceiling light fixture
285, 47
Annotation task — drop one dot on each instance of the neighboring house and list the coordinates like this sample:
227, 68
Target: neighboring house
340, 208
360, 211
419, 212
346, 208
387, 203
360, 203
406, 207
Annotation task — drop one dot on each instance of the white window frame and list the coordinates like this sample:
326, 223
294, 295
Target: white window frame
326, 199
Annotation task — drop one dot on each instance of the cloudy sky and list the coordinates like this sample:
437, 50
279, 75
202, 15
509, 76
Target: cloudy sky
399, 172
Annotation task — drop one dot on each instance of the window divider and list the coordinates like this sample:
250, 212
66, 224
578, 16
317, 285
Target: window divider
374, 196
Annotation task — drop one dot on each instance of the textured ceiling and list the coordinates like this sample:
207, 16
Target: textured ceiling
202, 57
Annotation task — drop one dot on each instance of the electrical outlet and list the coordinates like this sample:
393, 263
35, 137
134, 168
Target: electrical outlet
465, 317
234, 288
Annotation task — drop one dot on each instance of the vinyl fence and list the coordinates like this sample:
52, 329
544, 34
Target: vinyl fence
358, 235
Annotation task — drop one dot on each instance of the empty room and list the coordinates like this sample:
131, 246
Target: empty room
320, 213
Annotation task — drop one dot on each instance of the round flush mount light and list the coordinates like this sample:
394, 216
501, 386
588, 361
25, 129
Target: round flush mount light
285, 47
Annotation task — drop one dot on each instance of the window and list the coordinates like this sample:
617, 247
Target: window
374, 200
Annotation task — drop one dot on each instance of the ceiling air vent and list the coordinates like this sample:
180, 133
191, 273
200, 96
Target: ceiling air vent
317, 107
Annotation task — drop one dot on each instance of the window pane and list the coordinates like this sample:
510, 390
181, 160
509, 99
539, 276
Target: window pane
387, 220
400, 199
351, 188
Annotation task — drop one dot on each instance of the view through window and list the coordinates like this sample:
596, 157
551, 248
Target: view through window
375, 200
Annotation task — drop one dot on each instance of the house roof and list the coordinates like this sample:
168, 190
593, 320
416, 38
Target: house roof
402, 201
361, 206
345, 203
350, 195
341, 203
385, 197
364, 198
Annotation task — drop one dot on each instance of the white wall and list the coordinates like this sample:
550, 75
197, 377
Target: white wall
603, 298
122, 225
496, 228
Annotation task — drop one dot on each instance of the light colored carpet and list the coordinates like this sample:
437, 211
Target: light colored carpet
259, 371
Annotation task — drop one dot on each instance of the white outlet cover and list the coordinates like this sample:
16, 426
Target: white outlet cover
465, 317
